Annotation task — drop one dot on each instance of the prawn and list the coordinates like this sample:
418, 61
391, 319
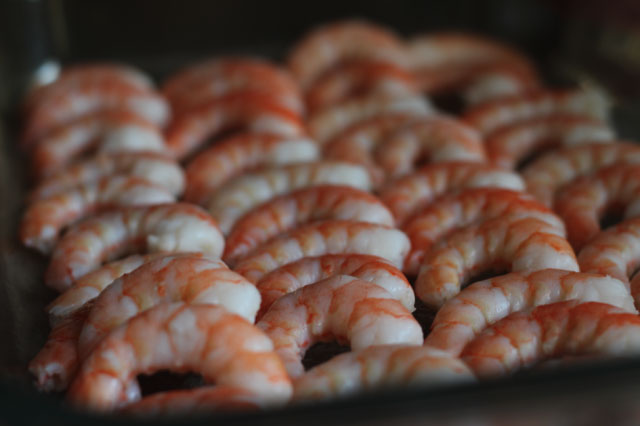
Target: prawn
253, 112
308, 270
291, 210
489, 116
45, 219
551, 171
153, 167
483, 303
224, 347
511, 243
378, 367
471, 206
511, 144
584, 201
106, 131
358, 78
430, 139
210, 169
331, 44
343, 308
326, 237
549, 331
247, 191
178, 227
408, 195
329, 122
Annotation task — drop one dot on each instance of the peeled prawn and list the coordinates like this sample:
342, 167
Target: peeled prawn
213, 167
224, 347
253, 112
331, 44
342, 308
44, 219
327, 237
155, 168
511, 144
551, 171
514, 244
108, 131
471, 206
288, 211
584, 201
308, 270
247, 191
556, 330
483, 303
408, 195
178, 227
378, 367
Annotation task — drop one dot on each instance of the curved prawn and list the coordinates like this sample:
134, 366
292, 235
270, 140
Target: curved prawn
551, 171
342, 308
326, 237
408, 195
471, 206
224, 347
511, 243
308, 270
511, 144
331, 44
155, 168
107, 131
45, 219
252, 112
210, 169
378, 367
291, 210
489, 116
560, 329
584, 201
178, 227
247, 191
486, 302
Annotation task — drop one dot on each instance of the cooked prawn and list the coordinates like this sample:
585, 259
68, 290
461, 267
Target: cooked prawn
90, 286
45, 219
211, 168
106, 131
469, 207
410, 194
253, 112
551, 171
489, 82
331, 44
88, 97
511, 243
378, 367
490, 116
327, 237
291, 210
168, 279
483, 303
308, 270
584, 201
224, 347
359, 78
559, 329
511, 144
178, 227
430, 139
343, 308
155, 168
247, 191
214, 78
